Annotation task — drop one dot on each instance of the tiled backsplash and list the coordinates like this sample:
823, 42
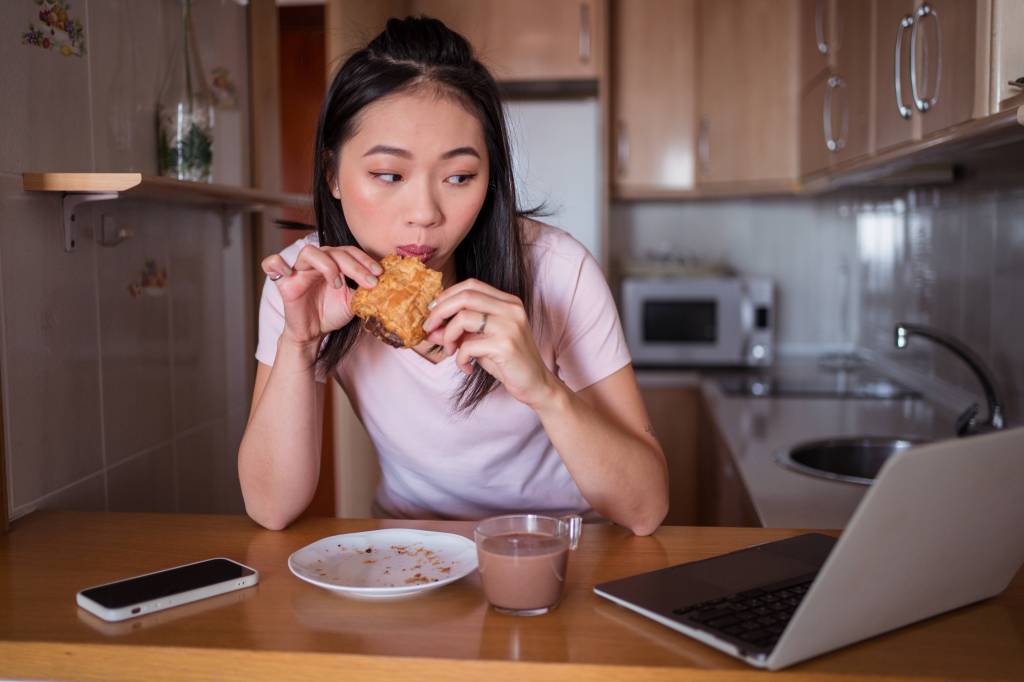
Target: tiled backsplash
847, 269
121, 390
954, 260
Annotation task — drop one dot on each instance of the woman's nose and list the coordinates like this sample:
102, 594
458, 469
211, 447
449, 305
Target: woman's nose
424, 210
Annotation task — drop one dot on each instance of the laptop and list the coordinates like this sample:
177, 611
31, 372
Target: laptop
939, 528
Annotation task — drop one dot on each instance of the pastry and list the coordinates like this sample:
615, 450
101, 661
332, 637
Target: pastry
395, 309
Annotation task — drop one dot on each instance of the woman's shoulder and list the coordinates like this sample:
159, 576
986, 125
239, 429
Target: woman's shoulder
547, 243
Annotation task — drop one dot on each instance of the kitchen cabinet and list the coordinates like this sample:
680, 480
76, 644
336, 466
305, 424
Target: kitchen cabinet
835, 52
674, 414
538, 40
654, 109
747, 92
927, 57
1007, 54
723, 499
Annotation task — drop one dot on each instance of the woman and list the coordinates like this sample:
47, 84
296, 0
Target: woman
522, 397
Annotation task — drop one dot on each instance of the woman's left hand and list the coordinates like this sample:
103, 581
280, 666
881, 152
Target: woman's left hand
480, 323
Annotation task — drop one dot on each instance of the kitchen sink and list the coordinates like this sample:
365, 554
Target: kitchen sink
855, 459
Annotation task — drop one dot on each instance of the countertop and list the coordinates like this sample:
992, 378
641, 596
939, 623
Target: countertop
287, 629
757, 428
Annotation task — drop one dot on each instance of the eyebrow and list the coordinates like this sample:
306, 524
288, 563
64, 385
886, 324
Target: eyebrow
406, 154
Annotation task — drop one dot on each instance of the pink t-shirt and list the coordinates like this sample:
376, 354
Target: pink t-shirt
437, 463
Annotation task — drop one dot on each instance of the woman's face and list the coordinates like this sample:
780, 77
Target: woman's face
413, 178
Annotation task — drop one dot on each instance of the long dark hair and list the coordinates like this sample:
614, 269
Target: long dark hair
423, 52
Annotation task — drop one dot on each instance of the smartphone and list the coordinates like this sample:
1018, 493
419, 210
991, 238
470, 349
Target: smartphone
160, 590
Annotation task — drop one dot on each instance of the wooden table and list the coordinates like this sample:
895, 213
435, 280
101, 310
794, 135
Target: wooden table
287, 629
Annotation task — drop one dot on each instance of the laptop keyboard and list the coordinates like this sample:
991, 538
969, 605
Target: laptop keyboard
755, 617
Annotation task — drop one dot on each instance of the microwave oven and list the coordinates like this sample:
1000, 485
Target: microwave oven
693, 321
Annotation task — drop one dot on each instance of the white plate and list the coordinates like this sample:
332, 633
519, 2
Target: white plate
391, 562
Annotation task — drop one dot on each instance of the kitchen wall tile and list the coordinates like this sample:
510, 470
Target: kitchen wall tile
85, 495
128, 56
51, 381
143, 483
239, 317
134, 330
46, 96
197, 269
1007, 322
960, 269
221, 28
207, 470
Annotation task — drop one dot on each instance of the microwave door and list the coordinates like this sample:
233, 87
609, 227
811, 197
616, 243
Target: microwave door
701, 326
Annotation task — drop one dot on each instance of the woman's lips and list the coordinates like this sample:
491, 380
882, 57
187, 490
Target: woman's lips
416, 251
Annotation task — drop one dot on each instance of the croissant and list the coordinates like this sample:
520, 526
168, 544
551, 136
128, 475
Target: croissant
395, 309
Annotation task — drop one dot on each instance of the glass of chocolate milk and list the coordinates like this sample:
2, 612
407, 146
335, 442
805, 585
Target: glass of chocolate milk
523, 558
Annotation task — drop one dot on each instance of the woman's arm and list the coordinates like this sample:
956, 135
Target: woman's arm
279, 457
602, 433
606, 441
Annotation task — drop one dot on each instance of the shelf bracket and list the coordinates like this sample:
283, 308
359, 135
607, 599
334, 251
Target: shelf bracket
69, 204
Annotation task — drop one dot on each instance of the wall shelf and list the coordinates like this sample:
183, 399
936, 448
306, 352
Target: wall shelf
78, 188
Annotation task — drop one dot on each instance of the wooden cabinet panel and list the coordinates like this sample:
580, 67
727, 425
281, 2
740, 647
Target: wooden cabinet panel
723, 499
528, 39
654, 109
674, 414
748, 91
948, 32
851, 98
815, 37
1007, 56
892, 128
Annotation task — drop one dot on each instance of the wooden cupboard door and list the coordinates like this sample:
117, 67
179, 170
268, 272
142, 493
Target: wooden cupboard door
748, 91
654, 109
528, 39
674, 413
815, 155
815, 37
893, 21
944, 56
849, 99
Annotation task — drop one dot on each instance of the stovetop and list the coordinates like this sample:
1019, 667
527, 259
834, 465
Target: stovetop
825, 378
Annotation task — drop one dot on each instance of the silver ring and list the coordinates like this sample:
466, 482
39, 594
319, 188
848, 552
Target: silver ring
275, 277
483, 324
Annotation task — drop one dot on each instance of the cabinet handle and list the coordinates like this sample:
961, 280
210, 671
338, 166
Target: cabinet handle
584, 47
704, 145
819, 26
835, 144
920, 102
905, 23
622, 149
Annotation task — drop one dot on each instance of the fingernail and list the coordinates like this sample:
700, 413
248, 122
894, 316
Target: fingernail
426, 325
432, 304
376, 269
338, 283
372, 280
287, 271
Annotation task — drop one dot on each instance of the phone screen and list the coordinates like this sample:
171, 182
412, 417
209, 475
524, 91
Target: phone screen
172, 581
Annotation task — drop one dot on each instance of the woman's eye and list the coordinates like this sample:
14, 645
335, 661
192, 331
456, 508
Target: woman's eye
461, 179
389, 178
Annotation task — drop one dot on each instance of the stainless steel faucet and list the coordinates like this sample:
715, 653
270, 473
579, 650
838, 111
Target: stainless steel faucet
967, 424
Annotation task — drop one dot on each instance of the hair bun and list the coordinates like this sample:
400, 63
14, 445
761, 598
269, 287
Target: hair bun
423, 41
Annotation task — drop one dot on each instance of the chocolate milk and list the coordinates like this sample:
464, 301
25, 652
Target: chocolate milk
523, 571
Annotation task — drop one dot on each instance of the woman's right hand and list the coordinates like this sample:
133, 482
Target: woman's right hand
316, 298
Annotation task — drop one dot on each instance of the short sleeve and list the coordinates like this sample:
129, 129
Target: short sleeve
271, 320
592, 345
